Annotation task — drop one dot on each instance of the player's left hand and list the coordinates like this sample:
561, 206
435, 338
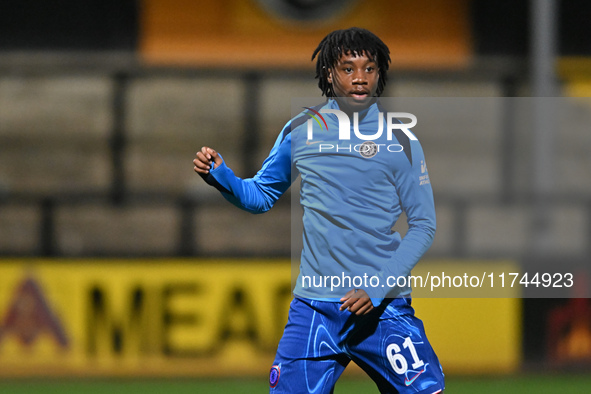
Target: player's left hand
357, 302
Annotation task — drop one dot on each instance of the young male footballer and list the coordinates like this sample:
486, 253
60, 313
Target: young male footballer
359, 171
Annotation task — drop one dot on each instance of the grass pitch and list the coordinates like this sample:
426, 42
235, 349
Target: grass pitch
546, 384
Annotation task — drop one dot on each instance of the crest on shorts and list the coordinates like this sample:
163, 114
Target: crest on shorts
274, 375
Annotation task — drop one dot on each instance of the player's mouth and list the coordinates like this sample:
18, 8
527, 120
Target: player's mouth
359, 94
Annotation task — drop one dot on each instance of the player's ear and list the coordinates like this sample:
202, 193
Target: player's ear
329, 75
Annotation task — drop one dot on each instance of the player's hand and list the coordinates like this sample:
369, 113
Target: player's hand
204, 158
357, 302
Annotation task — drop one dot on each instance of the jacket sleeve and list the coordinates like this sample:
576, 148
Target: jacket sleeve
416, 198
259, 193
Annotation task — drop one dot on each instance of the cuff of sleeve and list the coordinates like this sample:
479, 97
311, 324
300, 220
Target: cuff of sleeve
214, 169
376, 301
218, 177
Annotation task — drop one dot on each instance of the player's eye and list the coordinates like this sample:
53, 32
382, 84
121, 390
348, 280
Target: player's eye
348, 69
370, 69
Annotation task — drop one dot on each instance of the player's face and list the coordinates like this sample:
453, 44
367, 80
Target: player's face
355, 77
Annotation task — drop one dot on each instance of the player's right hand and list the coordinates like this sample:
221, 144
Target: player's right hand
357, 301
204, 160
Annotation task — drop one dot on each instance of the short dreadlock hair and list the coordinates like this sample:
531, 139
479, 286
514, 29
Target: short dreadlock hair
356, 41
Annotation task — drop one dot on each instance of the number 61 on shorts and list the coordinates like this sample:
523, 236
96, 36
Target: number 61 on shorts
398, 361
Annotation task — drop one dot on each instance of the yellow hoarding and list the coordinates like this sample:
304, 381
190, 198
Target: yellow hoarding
197, 317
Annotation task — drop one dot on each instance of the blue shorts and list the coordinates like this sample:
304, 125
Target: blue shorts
389, 344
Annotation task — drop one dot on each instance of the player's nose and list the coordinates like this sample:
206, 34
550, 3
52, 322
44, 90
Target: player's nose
359, 78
